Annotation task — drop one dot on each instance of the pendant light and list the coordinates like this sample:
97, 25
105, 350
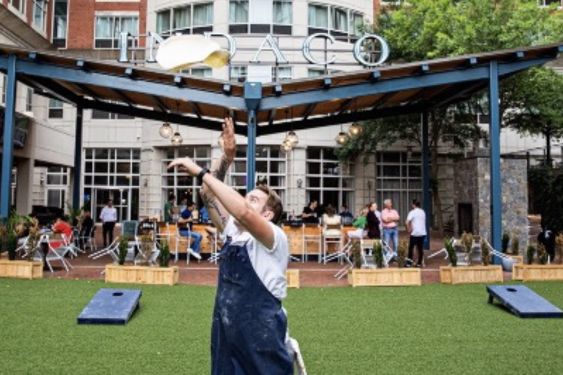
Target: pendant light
342, 137
177, 137
355, 130
166, 130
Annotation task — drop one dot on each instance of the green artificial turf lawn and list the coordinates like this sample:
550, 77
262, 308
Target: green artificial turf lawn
433, 329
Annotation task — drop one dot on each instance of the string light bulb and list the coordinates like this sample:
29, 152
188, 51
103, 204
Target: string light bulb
166, 130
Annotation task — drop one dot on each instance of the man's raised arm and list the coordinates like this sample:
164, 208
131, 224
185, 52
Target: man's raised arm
217, 213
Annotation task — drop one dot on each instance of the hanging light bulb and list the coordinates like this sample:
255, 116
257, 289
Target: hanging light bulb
342, 138
286, 146
166, 130
177, 139
355, 130
292, 138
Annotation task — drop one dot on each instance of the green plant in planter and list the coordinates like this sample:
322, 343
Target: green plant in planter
164, 257
485, 253
378, 254
504, 242
357, 254
515, 245
402, 251
448, 244
32, 240
542, 254
122, 248
559, 247
467, 241
14, 227
530, 251
146, 244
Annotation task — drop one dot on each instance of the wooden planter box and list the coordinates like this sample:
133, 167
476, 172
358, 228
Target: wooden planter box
538, 272
518, 259
385, 277
21, 269
142, 274
292, 277
518, 271
470, 274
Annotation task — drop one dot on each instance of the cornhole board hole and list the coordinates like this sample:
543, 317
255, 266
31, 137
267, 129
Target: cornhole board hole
523, 302
110, 306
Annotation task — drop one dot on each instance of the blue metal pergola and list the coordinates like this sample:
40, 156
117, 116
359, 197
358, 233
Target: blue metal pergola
266, 109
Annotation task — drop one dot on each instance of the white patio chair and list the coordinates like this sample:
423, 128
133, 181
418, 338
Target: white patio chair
53, 254
330, 238
312, 233
106, 250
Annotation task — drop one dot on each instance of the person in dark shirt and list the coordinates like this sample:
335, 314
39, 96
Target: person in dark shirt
86, 224
547, 239
373, 222
309, 214
346, 216
185, 224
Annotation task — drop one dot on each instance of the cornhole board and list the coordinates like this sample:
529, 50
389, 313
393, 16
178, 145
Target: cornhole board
523, 302
110, 306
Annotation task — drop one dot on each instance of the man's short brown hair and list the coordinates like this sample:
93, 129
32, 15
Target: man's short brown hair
273, 203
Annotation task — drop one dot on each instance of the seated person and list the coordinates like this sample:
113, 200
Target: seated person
360, 224
309, 215
61, 227
330, 218
185, 225
346, 215
203, 215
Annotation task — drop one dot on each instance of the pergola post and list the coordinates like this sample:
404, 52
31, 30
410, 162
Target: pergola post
77, 158
252, 97
426, 195
494, 134
8, 142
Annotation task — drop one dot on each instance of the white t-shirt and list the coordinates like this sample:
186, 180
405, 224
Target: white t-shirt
269, 265
417, 218
108, 214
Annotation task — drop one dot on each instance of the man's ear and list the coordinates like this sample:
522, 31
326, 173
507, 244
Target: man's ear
268, 215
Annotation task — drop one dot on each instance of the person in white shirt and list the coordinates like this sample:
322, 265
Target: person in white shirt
249, 325
108, 216
416, 226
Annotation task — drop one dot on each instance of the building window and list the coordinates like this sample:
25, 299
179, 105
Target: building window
39, 11
260, 16
284, 73
198, 72
55, 108
399, 178
178, 183
271, 167
187, 19
239, 73
328, 180
29, 100
108, 29
103, 115
344, 24
57, 185
60, 23
18, 5
113, 173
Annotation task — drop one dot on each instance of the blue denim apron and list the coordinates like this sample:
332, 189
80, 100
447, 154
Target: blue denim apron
249, 326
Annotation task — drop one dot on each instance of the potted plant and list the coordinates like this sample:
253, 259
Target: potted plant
378, 254
530, 252
122, 249
402, 251
484, 273
164, 257
485, 253
357, 254
504, 242
32, 240
515, 245
16, 226
146, 244
542, 254
448, 245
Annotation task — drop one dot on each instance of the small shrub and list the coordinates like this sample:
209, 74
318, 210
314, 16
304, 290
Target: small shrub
504, 242
530, 252
402, 252
448, 244
515, 245
559, 248
147, 245
485, 253
378, 254
122, 250
164, 257
357, 254
543, 256
467, 241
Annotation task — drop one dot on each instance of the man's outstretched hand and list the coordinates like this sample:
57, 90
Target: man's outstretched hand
228, 139
187, 165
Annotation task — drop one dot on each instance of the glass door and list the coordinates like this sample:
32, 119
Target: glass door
120, 198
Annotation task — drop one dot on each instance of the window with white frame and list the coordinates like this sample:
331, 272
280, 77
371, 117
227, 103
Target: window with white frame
399, 178
57, 185
260, 16
342, 23
98, 114
39, 12
199, 72
282, 73
327, 179
29, 100
109, 28
238, 73
271, 166
112, 167
178, 182
186, 19
60, 23
18, 5
319, 72
55, 108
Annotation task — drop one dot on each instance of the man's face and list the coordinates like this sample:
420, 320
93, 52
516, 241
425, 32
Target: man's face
314, 205
257, 199
110, 203
388, 204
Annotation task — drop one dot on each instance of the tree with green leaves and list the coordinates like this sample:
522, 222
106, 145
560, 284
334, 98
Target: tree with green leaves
428, 29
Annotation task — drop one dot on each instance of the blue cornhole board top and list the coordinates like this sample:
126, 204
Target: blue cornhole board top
110, 306
523, 302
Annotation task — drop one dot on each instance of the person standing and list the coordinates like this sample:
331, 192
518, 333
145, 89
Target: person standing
86, 225
390, 218
249, 324
108, 216
168, 208
416, 226
547, 238
373, 222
